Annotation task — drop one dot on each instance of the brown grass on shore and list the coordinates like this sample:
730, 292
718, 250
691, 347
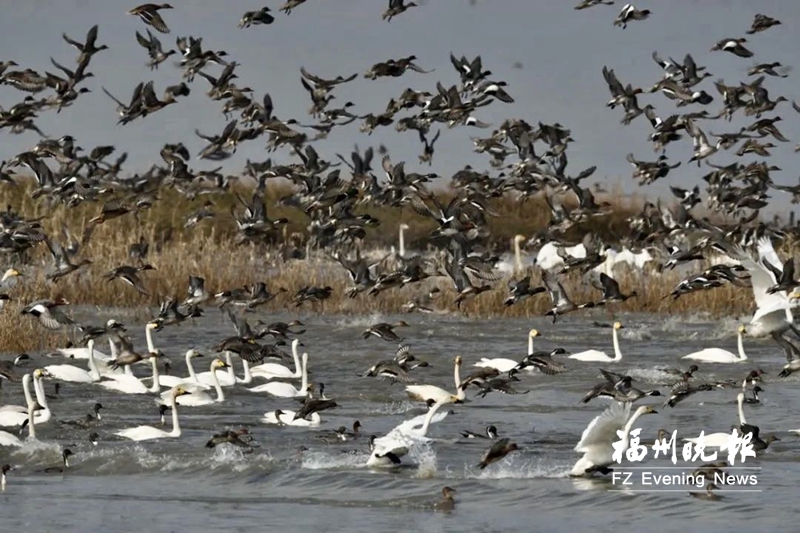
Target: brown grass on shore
208, 251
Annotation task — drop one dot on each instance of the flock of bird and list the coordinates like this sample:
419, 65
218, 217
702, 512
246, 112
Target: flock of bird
461, 249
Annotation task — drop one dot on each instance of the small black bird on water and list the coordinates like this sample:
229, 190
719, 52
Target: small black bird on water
447, 503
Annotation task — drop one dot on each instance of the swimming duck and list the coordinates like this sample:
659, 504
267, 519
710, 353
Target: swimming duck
88, 421
707, 495
65, 455
754, 398
341, 434
489, 433
447, 503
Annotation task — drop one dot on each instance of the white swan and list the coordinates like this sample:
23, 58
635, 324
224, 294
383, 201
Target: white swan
424, 393
276, 371
774, 313
43, 414
7, 439
597, 355
720, 440
286, 390
191, 383
141, 433
200, 397
227, 379
286, 418
597, 440
32, 410
104, 364
106, 371
16, 416
73, 374
82, 352
718, 355
26, 379
514, 265
387, 450
548, 258
503, 364
130, 384
402, 239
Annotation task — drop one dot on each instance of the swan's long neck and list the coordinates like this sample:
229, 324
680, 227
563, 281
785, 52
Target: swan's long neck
31, 425
248, 377
427, 422
176, 427
192, 374
26, 388
530, 344
38, 389
742, 355
460, 393
617, 353
148, 333
517, 258
298, 372
402, 243
217, 386
156, 386
740, 400
304, 377
94, 373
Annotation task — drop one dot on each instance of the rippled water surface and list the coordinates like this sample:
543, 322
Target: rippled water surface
295, 482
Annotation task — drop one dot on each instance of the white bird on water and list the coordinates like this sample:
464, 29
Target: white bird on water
597, 440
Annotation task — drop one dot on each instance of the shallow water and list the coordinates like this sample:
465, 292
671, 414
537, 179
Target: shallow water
178, 484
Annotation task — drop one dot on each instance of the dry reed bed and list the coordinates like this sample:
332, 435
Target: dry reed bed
208, 251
